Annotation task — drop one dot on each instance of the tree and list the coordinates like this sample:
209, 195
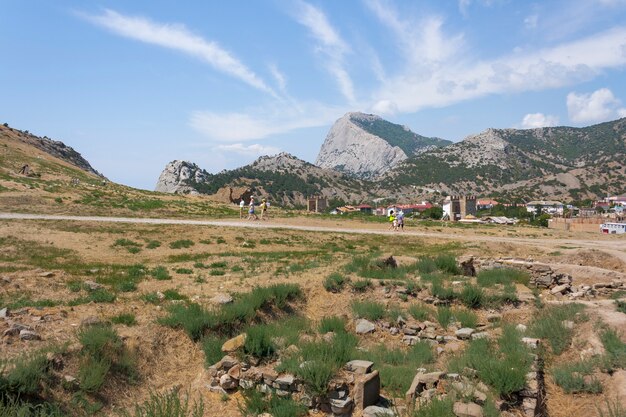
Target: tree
6, 125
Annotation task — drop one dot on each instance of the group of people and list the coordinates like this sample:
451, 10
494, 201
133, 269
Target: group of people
396, 220
251, 209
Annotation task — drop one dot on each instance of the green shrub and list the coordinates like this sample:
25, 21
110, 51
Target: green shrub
220, 264
126, 243
615, 356
576, 378
426, 266
153, 244
360, 285
447, 264
435, 408
466, 318
126, 286
212, 348
472, 296
369, 310
92, 374
332, 324
217, 272
420, 312
256, 403
167, 405
548, 325
26, 375
133, 249
502, 276
185, 271
442, 293
161, 273
182, 243
259, 342
334, 282
11, 407
172, 295
151, 298
127, 319
444, 316
620, 306
192, 318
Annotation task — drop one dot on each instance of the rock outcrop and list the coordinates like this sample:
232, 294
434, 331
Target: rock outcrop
179, 177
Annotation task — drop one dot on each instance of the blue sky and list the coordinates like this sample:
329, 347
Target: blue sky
134, 85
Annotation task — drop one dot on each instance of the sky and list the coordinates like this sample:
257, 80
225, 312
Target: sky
135, 85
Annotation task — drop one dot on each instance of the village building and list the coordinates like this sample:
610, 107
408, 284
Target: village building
486, 204
317, 204
613, 228
550, 207
365, 208
456, 208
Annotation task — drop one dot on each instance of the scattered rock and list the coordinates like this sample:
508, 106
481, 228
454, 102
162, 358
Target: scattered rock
227, 382
92, 286
4, 313
467, 409
359, 366
375, 411
464, 333
364, 326
533, 343
235, 343
226, 363
46, 274
560, 289
339, 406
422, 381
29, 335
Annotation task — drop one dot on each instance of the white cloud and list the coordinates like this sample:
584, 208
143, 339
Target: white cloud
248, 150
330, 44
534, 120
464, 6
258, 123
279, 77
385, 107
530, 22
176, 36
599, 106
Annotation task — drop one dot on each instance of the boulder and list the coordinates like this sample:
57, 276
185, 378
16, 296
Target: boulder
464, 333
467, 409
235, 343
339, 406
227, 382
226, 363
375, 411
422, 381
29, 335
359, 366
222, 299
560, 289
364, 326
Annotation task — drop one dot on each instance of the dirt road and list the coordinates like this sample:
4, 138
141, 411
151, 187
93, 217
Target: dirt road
616, 247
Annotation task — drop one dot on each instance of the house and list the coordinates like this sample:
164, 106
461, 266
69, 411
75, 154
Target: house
364, 208
604, 205
415, 208
613, 228
380, 211
618, 200
486, 204
346, 209
550, 207
456, 208
499, 220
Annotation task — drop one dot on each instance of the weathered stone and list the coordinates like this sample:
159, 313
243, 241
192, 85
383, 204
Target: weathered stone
364, 326
409, 332
421, 381
375, 411
464, 333
560, 289
533, 343
467, 409
92, 286
410, 340
29, 335
235, 371
226, 363
90, 321
222, 299
4, 313
46, 274
528, 406
568, 324
366, 390
235, 343
480, 397
394, 331
359, 366
480, 335
339, 406
269, 376
227, 382
521, 328
285, 382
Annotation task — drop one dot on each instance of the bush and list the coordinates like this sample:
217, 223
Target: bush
369, 310
259, 342
503, 276
153, 244
217, 272
361, 285
26, 376
548, 325
420, 312
183, 243
185, 271
466, 318
127, 319
620, 306
444, 316
161, 273
334, 283
447, 264
472, 296
426, 266
441, 292
576, 378
193, 318
212, 348
615, 356
332, 324
167, 405
12, 408
92, 374
256, 403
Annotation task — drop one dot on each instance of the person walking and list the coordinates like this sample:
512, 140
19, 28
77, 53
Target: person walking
251, 214
393, 223
241, 206
264, 209
400, 220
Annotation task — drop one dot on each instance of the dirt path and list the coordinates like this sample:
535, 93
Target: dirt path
615, 247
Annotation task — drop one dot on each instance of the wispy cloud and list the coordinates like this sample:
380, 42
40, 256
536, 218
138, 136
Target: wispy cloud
177, 37
261, 122
599, 106
280, 78
330, 44
534, 120
248, 150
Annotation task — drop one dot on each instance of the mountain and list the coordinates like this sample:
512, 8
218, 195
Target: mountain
366, 146
52, 147
551, 162
285, 179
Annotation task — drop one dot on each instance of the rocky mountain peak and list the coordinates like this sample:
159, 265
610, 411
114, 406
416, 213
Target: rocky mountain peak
177, 177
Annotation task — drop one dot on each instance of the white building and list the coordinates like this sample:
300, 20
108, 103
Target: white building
550, 207
613, 228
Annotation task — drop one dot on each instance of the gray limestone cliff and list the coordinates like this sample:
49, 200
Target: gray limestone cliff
349, 148
179, 176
